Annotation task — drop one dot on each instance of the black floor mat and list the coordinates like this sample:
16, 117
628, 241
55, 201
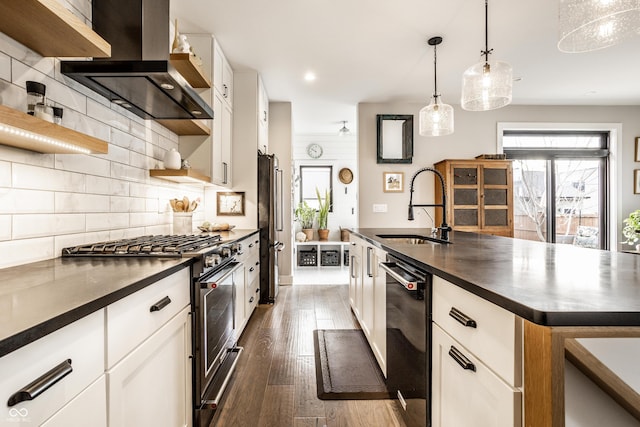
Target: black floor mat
345, 366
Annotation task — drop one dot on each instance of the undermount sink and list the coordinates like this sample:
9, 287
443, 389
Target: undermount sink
411, 239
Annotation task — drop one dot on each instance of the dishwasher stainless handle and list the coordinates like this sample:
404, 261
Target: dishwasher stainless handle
461, 359
42, 384
404, 282
462, 318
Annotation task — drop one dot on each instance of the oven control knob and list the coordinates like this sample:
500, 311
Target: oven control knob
226, 252
211, 260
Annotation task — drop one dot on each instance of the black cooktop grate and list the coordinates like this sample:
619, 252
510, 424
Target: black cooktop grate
154, 245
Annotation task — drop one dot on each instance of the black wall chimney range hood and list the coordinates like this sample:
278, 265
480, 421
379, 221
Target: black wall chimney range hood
138, 76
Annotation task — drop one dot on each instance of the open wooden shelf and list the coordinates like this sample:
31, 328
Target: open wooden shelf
46, 27
21, 130
186, 126
183, 176
192, 72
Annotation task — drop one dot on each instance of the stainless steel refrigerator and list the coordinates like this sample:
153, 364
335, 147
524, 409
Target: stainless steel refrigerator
269, 222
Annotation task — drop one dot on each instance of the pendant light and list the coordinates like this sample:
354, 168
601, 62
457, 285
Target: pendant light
586, 25
436, 119
486, 85
344, 130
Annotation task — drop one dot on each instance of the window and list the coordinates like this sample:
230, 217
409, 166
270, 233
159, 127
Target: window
561, 189
312, 177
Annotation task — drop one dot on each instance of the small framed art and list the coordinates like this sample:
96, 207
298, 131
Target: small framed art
230, 203
636, 154
393, 182
636, 181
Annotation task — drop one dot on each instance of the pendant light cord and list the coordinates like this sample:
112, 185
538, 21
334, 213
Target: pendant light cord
486, 50
435, 73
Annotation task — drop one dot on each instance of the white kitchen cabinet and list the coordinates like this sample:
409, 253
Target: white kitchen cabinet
151, 386
76, 349
212, 154
263, 115
247, 281
91, 404
475, 396
222, 74
367, 294
476, 360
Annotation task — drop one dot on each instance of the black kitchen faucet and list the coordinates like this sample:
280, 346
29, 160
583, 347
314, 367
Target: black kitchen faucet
444, 227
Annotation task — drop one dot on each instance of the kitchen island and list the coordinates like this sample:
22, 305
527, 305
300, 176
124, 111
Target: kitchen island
556, 292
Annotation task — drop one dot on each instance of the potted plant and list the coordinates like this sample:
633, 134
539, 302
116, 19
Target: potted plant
323, 214
631, 229
306, 214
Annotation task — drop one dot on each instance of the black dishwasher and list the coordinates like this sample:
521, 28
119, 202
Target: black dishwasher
408, 292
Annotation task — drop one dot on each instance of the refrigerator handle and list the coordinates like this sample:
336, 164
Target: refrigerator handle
279, 200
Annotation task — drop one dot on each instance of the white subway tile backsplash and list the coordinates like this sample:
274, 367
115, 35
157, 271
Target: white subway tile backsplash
81, 163
78, 202
118, 154
16, 201
137, 204
142, 219
69, 240
39, 178
100, 185
107, 221
128, 141
26, 250
107, 115
5, 227
29, 226
141, 161
119, 204
5, 174
89, 126
5, 67
128, 173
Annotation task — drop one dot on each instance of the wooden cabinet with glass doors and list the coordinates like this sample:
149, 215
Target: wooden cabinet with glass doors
479, 195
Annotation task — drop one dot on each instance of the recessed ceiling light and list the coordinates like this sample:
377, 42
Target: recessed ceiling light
166, 86
118, 101
590, 92
309, 76
517, 79
196, 112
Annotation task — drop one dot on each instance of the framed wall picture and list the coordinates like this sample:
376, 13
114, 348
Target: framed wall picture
636, 181
393, 182
230, 203
636, 155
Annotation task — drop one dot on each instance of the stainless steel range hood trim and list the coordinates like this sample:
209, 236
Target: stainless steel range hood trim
157, 72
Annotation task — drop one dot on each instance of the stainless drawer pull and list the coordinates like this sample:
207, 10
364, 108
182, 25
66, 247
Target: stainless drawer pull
251, 300
257, 262
251, 269
461, 359
462, 318
250, 245
42, 384
160, 304
257, 290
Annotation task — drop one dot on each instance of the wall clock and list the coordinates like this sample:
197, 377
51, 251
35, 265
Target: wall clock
314, 151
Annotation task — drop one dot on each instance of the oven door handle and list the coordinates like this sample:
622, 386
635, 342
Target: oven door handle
410, 285
221, 275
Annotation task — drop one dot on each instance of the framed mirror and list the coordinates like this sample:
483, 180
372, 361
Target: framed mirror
395, 138
312, 177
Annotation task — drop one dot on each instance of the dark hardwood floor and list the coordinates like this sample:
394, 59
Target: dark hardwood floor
275, 382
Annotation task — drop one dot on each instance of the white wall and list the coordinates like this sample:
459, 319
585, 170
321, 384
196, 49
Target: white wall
476, 133
339, 152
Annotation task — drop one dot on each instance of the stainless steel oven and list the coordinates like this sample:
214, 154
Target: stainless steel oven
408, 305
216, 353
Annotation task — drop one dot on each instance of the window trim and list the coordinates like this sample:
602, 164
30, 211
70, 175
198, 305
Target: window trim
614, 172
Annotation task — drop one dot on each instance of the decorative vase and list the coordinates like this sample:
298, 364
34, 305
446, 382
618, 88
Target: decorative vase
308, 232
323, 234
176, 39
172, 159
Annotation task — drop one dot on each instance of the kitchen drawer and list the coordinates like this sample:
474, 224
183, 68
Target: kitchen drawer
496, 339
469, 397
131, 320
253, 268
252, 295
82, 342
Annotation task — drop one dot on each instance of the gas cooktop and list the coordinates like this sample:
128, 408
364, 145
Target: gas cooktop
153, 245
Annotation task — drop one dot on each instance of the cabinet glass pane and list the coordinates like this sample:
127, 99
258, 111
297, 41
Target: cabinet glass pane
463, 196
495, 176
465, 176
495, 217
465, 217
494, 197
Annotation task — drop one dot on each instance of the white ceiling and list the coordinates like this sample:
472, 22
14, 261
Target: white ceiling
376, 51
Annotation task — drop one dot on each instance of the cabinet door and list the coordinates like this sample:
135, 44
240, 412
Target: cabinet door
263, 115
227, 83
227, 128
239, 289
151, 387
355, 278
468, 397
368, 272
380, 311
91, 405
217, 168
496, 197
466, 194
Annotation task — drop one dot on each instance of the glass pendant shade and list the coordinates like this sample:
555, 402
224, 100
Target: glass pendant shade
436, 119
487, 86
587, 25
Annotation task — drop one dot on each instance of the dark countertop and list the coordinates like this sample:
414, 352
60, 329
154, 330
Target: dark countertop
41, 297
548, 284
